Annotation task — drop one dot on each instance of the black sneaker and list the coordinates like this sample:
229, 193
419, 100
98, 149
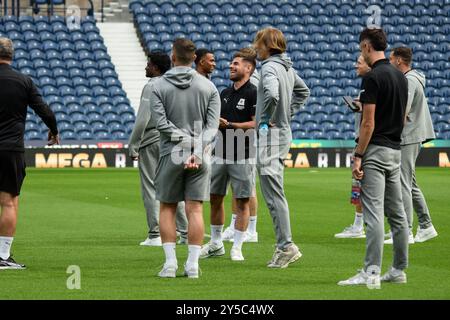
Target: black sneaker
11, 264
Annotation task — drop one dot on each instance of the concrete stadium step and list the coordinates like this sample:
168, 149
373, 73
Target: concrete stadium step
127, 56
114, 11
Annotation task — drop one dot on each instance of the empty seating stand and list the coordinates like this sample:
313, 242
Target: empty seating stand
322, 42
74, 73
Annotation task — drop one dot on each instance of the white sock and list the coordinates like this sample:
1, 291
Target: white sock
169, 250
194, 254
5, 247
238, 239
252, 224
358, 223
216, 234
233, 221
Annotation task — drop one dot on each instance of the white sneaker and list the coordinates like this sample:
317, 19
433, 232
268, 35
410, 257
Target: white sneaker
182, 241
249, 237
211, 250
394, 276
373, 281
168, 271
351, 232
236, 254
191, 271
282, 258
391, 240
228, 234
359, 279
423, 235
152, 242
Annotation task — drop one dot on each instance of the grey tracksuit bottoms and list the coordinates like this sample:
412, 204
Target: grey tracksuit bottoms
148, 161
271, 176
381, 195
411, 193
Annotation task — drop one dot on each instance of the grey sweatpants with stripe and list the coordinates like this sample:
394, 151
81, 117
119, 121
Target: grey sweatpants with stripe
270, 167
411, 193
381, 195
148, 161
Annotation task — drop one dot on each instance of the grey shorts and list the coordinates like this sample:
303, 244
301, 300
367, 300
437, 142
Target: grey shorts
174, 184
241, 176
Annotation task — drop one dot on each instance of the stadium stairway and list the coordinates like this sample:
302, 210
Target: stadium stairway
114, 11
127, 56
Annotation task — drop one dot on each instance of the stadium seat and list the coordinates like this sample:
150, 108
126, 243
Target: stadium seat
322, 43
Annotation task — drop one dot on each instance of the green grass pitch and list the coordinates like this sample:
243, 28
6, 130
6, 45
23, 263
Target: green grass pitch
94, 219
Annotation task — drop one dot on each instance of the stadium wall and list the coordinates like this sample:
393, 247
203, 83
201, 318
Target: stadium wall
303, 154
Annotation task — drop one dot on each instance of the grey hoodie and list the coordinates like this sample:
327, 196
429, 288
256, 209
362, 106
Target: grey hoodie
254, 79
281, 93
419, 125
144, 131
186, 108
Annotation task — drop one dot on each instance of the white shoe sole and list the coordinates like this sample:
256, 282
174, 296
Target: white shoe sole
237, 258
13, 268
167, 275
150, 245
421, 240
190, 276
359, 236
217, 253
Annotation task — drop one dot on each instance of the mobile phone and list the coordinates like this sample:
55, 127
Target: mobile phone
349, 102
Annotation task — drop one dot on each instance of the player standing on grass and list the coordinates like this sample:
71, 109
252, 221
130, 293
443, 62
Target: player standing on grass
234, 159
17, 92
251, 235
377, 162
281, 92
186, 107
356, 230
418, 129
144, 147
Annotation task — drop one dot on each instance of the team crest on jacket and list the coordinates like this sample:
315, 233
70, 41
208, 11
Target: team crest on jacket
241, 104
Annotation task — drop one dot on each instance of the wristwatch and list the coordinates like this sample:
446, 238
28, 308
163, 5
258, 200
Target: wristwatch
230, 125
358, 155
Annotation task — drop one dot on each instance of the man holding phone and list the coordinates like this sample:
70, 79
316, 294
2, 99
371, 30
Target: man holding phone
356, 230
377, 162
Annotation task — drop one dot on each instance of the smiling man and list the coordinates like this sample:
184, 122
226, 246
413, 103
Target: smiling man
232, 161
205, 62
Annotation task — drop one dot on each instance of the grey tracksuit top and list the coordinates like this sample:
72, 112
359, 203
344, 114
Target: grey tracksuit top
181, 99
144, 131
419, 125
281, 93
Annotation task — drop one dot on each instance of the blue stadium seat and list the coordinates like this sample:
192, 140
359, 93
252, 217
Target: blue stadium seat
213, 9
85, 135
33, 135
28, 71
113, 119
102, 135
74, 109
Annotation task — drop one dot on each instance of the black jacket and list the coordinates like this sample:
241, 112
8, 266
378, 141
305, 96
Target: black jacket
17, 92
